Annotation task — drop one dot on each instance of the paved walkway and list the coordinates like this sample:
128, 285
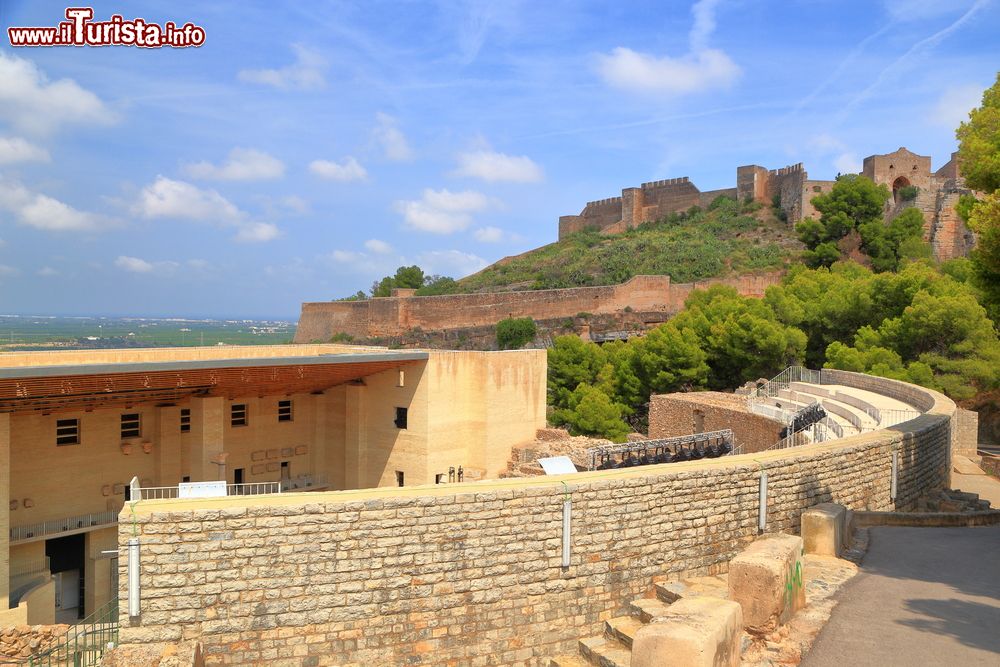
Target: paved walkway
925, 596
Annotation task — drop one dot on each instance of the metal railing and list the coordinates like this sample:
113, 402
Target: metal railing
632, 453
37, 566
246, 489
304, 482
85, 642
84, 521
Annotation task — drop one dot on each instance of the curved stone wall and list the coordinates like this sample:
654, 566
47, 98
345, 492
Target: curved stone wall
471, 573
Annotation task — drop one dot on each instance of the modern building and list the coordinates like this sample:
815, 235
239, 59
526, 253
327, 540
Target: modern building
77, 426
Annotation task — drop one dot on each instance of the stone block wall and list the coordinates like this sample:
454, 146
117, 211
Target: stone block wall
965, 433
390, 316
697, 412
471, 574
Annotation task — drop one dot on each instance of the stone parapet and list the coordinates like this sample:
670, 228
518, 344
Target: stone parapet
453, 573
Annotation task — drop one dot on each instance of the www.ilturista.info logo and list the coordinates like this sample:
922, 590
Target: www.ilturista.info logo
81, 30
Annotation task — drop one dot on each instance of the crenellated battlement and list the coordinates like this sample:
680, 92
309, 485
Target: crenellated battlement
784, 171
601, 202
665, 182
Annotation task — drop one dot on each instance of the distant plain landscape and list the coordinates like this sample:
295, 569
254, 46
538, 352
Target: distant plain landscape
36, 332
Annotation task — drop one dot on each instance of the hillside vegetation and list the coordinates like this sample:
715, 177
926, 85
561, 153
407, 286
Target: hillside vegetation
728, 238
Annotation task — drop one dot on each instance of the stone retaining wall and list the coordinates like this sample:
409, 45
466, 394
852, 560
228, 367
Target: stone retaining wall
391, 316
471, 574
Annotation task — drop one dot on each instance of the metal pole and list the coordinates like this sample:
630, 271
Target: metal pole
762, 507
567, 520
133, 577
895, 472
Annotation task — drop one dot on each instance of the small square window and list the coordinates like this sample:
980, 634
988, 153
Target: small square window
131, 425
439, 478
284, 411
67, 432
238, 414
400, 418
185, 420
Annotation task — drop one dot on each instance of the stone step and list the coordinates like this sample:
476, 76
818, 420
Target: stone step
646, 609
715, 586
670, 591
568, 661
622, 629
604, 652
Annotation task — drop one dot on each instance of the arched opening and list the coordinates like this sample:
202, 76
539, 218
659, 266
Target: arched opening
897, 185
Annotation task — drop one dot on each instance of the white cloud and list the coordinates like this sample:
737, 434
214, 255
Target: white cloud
133, 264
692, 73
16, 149
442, 211
491, 166
243, 164
139, 265
488, 234
348, 257
167, 198
391, 138
954, 105
699, 70
33, 104
306, 73
179, 200
47, 272
378, 247
257, 232
43, 212
349, 170
6, 270
918, 10
454, 263
848, 163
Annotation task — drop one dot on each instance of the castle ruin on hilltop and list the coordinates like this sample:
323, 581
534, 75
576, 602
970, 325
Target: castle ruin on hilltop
791, 187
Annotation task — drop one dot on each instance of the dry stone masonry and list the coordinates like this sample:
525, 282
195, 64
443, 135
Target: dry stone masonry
472, 574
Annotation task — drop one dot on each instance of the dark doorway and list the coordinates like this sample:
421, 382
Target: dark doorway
897, 185
67, 563
238, 476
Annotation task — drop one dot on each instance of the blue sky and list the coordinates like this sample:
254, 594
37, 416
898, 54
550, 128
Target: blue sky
309, 148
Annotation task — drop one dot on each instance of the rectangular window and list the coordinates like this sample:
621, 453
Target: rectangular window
185, 420
284, 411
399, 478
439, 478
131, 426
238, 414
67, 432
400, 417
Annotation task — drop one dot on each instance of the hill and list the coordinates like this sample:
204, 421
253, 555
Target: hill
727, 238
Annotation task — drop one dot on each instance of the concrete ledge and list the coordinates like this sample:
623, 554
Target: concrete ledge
927, 519
766, 580
695, 632
823, 528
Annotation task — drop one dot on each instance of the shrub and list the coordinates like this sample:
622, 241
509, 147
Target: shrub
514, 332
908, 193
341, 337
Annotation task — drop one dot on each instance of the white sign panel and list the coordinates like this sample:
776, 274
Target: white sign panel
557, 465
201, 489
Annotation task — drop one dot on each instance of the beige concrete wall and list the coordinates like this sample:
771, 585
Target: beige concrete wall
5, 437
167, 354
450, 574
79, 479
482, 404
97, 570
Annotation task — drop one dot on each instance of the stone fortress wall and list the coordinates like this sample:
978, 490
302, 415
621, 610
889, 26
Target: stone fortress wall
791, 185
472, 573
389, 316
